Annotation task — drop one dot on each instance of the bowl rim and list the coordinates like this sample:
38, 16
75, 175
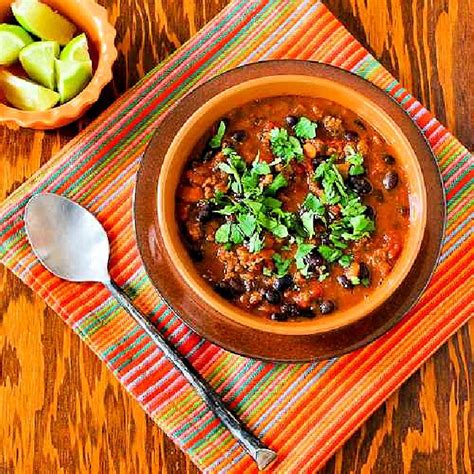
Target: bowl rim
143, 226
66, 113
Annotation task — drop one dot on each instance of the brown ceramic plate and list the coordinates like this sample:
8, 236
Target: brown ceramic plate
201, 313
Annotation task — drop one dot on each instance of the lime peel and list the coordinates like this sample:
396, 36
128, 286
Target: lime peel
27, 95
41, 20
13, 39
72, 77
37, 60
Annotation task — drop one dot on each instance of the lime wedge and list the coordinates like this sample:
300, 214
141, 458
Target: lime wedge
37, 60
76, 50
72, 77
26, 95
42, 21
13, 39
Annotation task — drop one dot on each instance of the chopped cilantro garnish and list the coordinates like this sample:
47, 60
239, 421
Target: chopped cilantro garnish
356, 160
255, 243
285, 146
330, 254
278, 183
247, 223
282, 265
305, 128
223, 234
333, 183
301, 252
216, 140
345, 261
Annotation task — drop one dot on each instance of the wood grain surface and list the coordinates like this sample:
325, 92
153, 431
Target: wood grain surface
61, 411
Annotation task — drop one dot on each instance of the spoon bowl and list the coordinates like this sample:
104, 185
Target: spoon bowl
69, 241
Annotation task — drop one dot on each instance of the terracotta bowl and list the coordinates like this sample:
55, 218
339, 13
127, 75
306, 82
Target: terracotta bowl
90, 18
173, 144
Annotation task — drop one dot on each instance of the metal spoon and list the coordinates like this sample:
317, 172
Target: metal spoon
72, 244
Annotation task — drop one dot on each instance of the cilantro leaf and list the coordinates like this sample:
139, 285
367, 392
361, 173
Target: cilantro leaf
329, 253
278, 182
356, 160
280, 231
313, 203
223, 234
307, 219
236, 234
272, 203
247, 224
285, 146
301, 252
345, 261
333, 183
260, 167
305, 128
282, 265
255, 243
234, 167
216, 140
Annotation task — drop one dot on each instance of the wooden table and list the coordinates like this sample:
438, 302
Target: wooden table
62, 411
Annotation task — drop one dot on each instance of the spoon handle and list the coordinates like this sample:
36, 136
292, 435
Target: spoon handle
252, 445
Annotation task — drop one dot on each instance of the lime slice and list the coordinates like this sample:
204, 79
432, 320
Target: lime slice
42, 21
72, 77
26, 95
13, 39
37, 60
76, 50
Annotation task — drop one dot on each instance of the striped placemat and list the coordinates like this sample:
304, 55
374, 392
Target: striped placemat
303, 411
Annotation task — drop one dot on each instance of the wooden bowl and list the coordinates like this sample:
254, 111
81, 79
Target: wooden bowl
90, 18
172, 270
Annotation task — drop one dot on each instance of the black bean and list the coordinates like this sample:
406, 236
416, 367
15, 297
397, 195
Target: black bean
208, 155
279, 317
314, 260
389, 159
325, 240
327, 306
204, 211
390, 180
360, 124
224, 290
283, 283
237, 286
345, 282
196, 254
364, 272
351, 136
370, 212
291, 120
290, 310
239, 136
360, 185
272, 296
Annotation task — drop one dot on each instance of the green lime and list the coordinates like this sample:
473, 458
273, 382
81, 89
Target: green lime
43, 21
27, 95
13, 39
76, 50
37, 60
72, 77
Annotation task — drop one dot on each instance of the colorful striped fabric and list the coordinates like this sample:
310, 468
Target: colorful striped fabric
304, 411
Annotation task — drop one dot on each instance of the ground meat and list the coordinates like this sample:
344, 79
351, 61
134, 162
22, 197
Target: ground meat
333, 125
